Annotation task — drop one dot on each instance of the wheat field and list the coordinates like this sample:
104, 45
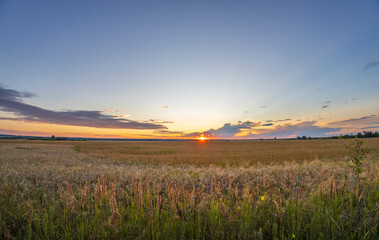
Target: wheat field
283, 189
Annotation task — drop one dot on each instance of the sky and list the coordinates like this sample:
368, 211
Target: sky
182, 69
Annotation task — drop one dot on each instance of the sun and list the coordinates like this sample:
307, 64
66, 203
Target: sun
202, 138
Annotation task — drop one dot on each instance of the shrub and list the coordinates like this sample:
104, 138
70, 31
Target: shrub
357, 154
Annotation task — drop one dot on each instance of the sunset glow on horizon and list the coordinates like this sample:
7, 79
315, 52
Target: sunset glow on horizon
189, 70
202, 138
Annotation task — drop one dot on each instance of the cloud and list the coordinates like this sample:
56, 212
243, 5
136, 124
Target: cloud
22, 133
280, 120
167, 132
353, 99
283, 120
325, 106
159, 121
165, 107
254, 130
327, 102
356, 124
228, 130
370, 65
11, 101
308, 128
283, 128
263, 106
14, 95
365, 121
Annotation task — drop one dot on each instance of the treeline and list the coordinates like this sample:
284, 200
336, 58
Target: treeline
52, 138
358, 135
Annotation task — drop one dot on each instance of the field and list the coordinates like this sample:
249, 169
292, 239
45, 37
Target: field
282, 189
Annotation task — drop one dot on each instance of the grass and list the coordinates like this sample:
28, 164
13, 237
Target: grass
116, 191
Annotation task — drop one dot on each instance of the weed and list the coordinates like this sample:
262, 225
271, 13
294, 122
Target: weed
77, 148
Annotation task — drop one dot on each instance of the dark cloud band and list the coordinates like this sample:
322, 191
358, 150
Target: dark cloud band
11, 101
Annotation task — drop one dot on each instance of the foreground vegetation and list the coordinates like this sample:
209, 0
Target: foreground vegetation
83, 191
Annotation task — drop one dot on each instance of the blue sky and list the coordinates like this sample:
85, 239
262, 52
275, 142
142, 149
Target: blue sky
211, 63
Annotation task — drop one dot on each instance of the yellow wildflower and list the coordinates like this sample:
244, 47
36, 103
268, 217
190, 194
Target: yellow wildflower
263, 197
293, 236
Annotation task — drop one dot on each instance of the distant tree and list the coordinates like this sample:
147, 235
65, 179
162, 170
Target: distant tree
53, 137
359, 135
368, 134
298, 137
304, 137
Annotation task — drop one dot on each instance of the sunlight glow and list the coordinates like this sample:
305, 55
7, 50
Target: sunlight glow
202, 138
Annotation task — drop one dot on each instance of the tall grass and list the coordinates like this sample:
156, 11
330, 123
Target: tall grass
53, 192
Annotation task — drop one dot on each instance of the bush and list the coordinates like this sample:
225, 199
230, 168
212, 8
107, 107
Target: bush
357, 154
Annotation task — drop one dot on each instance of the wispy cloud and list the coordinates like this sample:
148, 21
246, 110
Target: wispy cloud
370, 65
325, 106
11, 101
365, 121
165, 107
159, 121
15, 132
353, 99
280, 120
167, 132
356, 124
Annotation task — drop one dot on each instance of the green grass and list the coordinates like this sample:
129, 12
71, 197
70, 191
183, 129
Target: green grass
150, 212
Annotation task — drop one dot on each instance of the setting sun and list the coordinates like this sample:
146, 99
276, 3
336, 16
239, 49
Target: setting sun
201, 138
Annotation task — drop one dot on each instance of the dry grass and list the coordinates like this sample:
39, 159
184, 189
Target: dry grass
46, 162
237, 153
